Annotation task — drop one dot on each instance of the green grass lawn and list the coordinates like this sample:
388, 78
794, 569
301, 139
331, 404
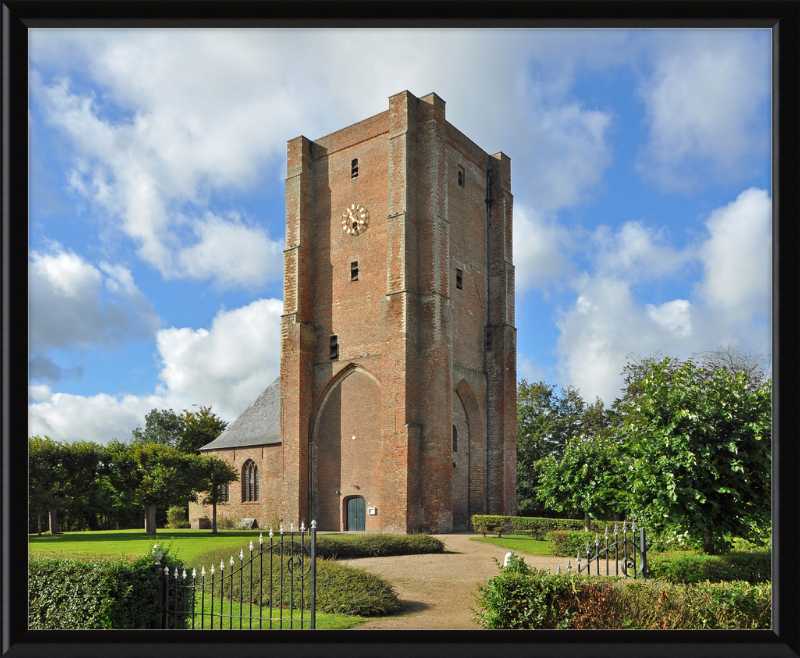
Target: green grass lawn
520, 543
325, 621
186, 545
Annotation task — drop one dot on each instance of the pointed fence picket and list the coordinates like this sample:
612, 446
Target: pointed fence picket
630, 557
197, 602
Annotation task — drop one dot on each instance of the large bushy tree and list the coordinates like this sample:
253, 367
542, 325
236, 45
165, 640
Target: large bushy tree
547, 420
216, 474
166, 476
62, 476
162, 426
698, 440
199, 428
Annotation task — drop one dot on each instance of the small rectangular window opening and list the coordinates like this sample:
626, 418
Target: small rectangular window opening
354, 168
334, 347
459, 279
354, 271
455, 439
461, 176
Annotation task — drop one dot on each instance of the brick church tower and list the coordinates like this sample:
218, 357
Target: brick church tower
398, 346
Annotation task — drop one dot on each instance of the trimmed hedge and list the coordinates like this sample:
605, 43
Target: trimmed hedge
684, 567
568, 543
335, 547
525, 597
340, 588
66, 593
535, 527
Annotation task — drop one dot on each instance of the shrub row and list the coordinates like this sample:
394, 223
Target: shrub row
336, 547
65, 593
567, 543
684, 567
340, 588
525, 597
536, 527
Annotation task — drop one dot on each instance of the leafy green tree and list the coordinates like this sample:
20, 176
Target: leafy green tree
200, 428
547, 419
119, 479
166, 477
215, 474
590, 477
61, 476
164, 427
698, 441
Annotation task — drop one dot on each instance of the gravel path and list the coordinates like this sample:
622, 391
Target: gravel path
437, 590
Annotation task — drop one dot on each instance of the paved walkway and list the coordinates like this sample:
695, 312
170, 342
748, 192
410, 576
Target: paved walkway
437, 590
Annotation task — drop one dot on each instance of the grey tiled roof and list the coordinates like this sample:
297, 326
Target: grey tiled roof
258, 425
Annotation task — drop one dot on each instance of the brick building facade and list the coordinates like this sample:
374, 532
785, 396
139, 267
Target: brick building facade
397, 392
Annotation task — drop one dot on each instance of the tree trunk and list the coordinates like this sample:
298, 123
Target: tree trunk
53, 519
150, 518
708, 542
586, 522
214, 519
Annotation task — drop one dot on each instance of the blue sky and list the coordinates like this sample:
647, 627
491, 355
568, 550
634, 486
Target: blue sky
640, 172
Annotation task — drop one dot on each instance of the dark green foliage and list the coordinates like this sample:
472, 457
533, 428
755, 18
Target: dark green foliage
546, 421
492, 524
340, 588
199, 428
376, 545
94, 594
697, 442
539, 528
536, 527
164, 427
350, 591
590, 476
567, 543
686, 567
525, 597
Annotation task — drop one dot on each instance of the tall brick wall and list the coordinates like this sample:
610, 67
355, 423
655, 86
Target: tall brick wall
417, 354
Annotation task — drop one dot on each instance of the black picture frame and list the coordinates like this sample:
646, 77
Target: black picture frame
781, 16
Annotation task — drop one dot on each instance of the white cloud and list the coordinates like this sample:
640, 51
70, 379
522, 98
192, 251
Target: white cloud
636, 252
73, 304
229, 364
607, 322
172, 120
737, 256
540, 249
230, 252
226, 367
706, 102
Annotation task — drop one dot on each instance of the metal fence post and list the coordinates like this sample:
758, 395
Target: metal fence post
313, 575
643, 550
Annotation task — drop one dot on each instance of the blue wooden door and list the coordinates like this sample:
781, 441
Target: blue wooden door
356, 514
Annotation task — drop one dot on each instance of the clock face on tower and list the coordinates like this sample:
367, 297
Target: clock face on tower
355, 219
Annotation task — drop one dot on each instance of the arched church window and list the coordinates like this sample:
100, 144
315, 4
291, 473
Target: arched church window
249, 481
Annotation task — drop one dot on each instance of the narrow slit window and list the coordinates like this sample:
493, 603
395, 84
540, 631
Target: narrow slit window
354, 168
459, 279
334, 347
455, 439
461, 176
354, 271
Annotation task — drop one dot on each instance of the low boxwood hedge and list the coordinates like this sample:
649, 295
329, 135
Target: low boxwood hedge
535, 527
337, 547
68, 593
686, 567
525, 597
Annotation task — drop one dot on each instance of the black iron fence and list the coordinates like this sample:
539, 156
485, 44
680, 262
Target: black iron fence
273, 588
629, 557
